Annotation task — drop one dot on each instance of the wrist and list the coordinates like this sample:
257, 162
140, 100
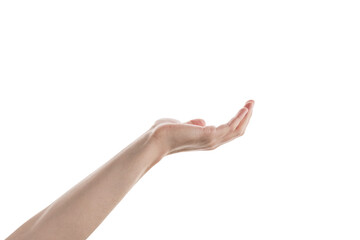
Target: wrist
144, 152
156, 142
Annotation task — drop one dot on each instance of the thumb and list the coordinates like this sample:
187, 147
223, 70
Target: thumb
198, 122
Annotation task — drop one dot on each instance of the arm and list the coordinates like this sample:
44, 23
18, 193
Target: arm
77, 213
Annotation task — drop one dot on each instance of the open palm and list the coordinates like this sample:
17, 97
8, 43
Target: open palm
176, 136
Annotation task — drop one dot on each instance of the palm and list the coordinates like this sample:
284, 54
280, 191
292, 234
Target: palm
195, 135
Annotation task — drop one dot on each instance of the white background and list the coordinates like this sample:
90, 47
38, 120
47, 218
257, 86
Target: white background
80, 80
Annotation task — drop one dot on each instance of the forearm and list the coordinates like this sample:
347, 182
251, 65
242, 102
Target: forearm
77, 213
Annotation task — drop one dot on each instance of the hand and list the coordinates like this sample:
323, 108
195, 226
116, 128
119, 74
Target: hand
175, 136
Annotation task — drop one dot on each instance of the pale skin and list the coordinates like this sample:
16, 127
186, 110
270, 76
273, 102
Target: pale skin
79, 211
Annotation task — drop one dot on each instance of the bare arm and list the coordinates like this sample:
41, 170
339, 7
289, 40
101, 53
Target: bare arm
78, 212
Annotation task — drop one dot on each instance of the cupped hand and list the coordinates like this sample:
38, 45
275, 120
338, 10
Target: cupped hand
175, 136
